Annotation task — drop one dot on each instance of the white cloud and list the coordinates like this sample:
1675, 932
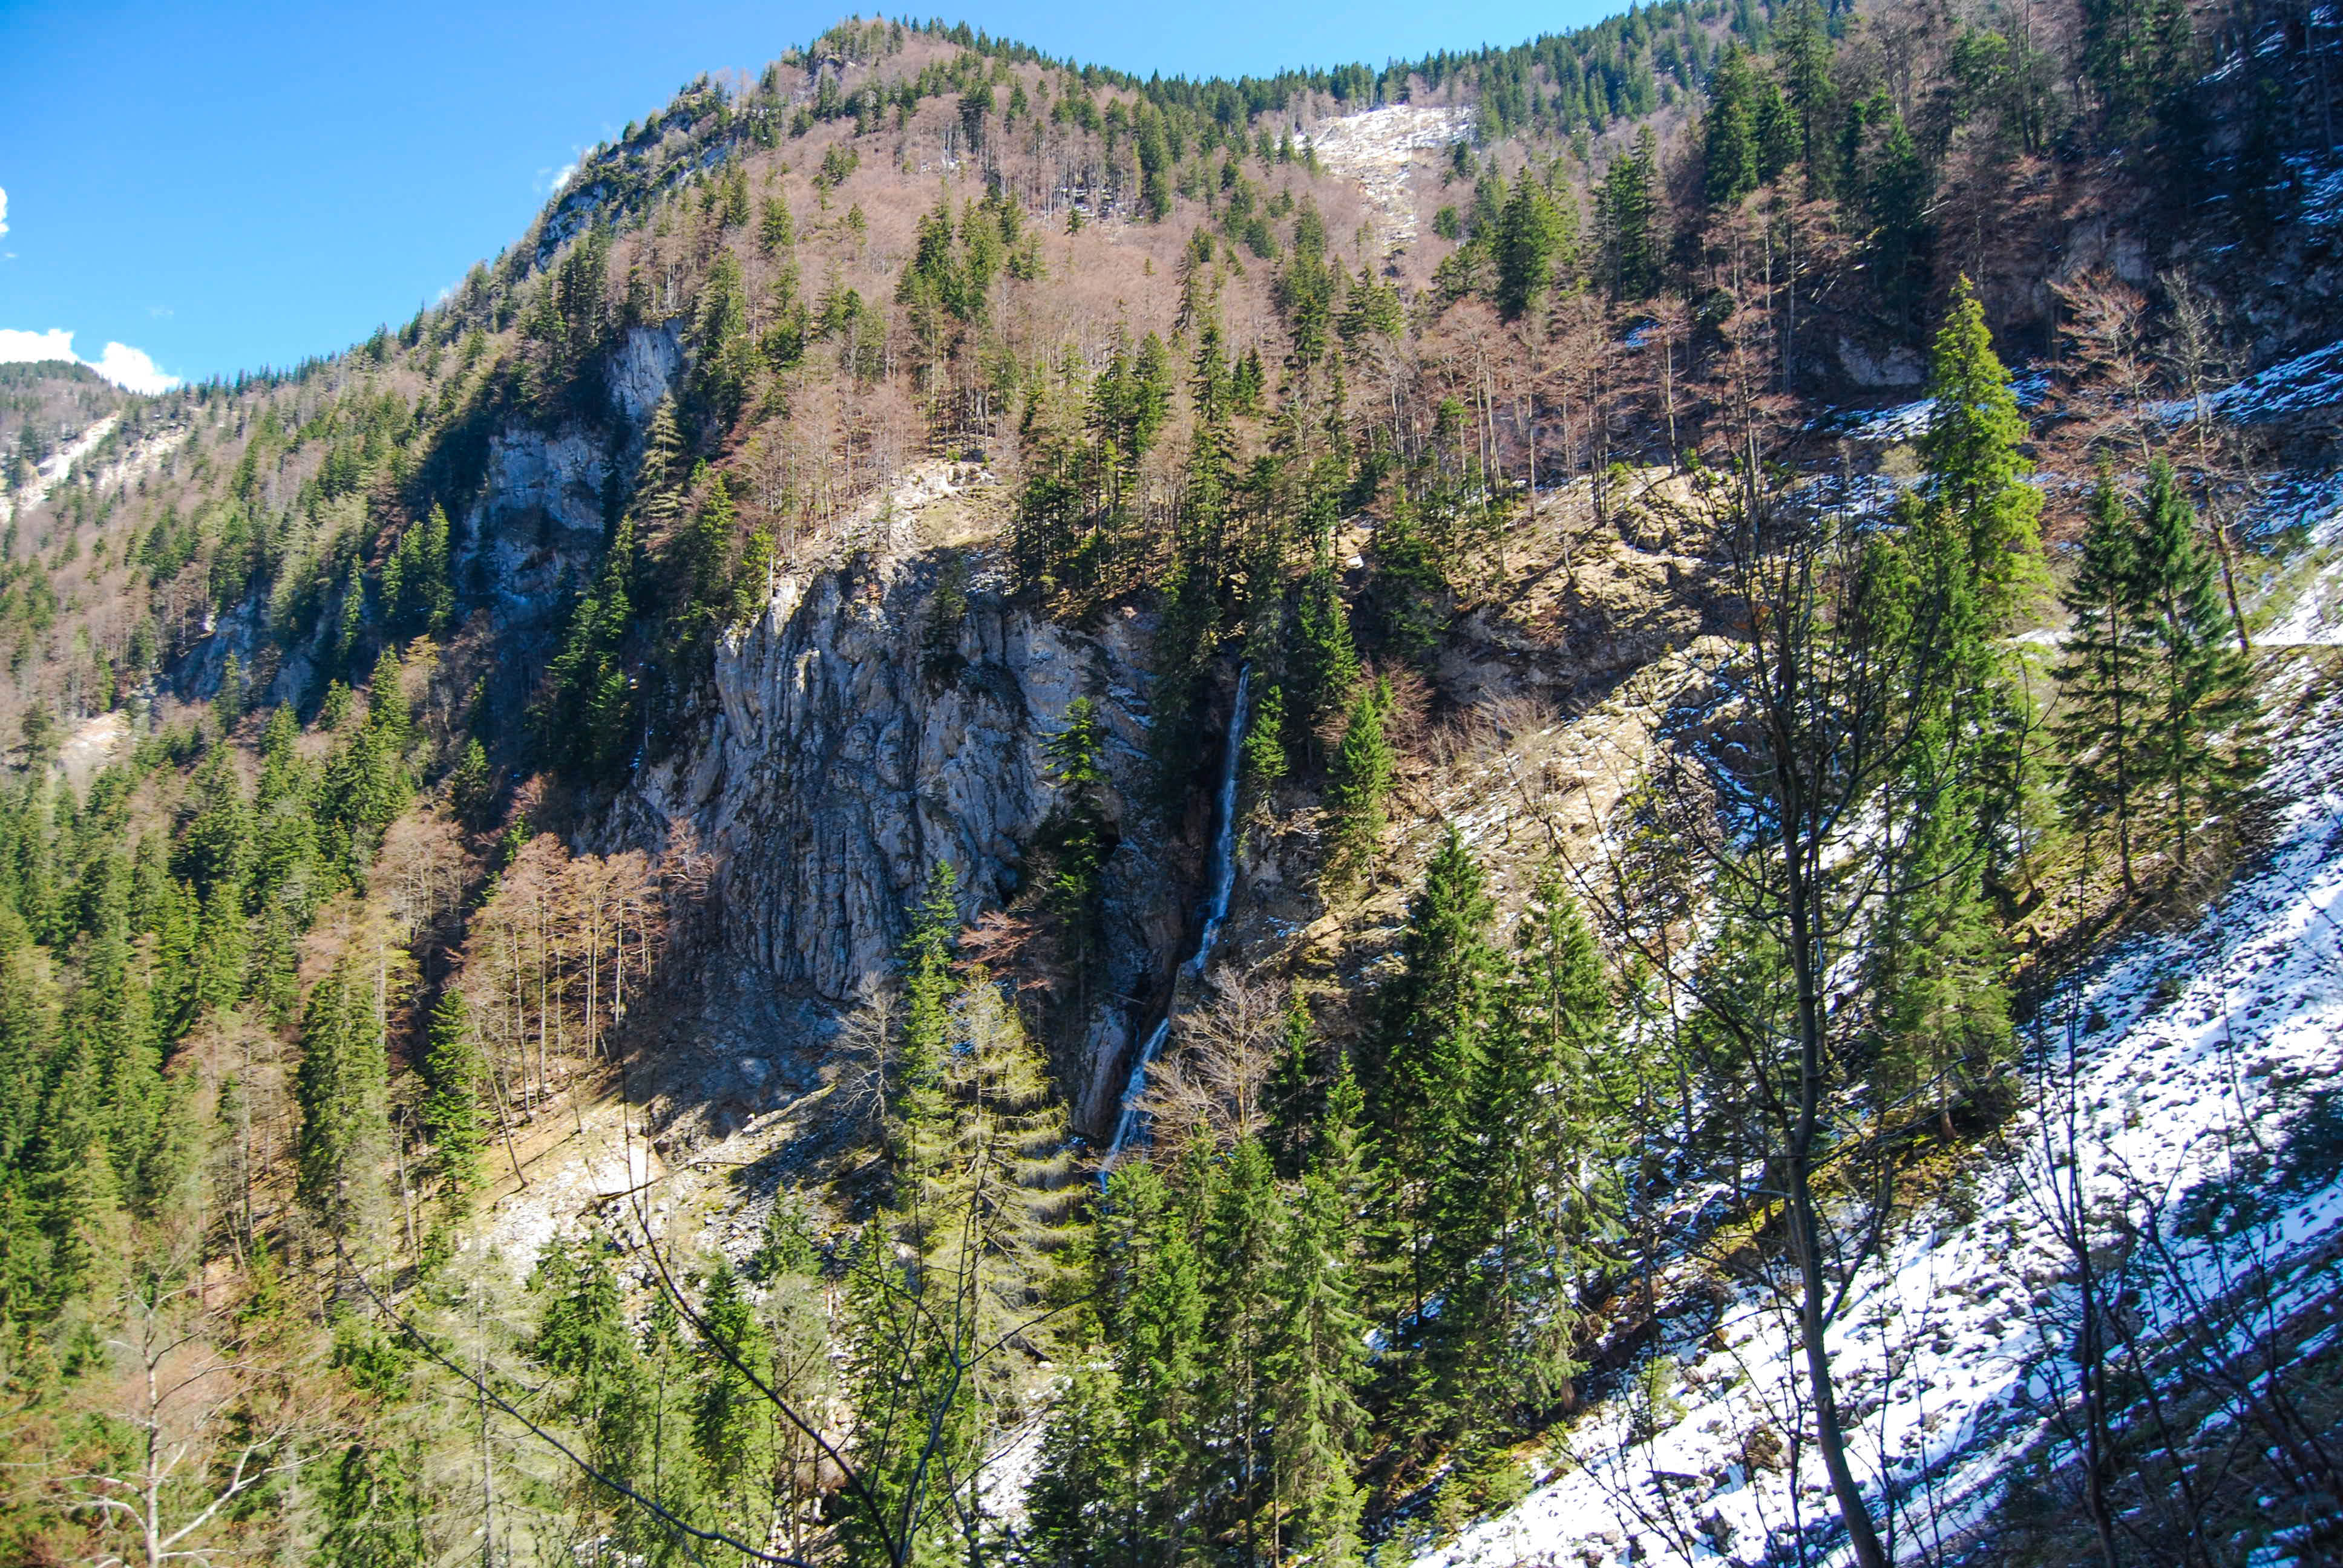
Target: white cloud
553, 182
4, 212
57, 343
132, 370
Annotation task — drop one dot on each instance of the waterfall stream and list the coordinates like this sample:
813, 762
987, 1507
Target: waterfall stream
1223, 884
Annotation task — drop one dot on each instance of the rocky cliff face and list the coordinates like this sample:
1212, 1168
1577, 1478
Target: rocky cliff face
867, 727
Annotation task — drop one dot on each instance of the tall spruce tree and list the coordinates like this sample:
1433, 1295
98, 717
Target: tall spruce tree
1157, 1328
1313, 1368
928, 992
1533, 241
345, 1134
588, 718
947, 1281
1976, 471
454, 1074
2103, 678
582, 1337
732, 1421
1433, 1018
1803, 45
2136, 55
1533, 1196
1078, 837
1243, 1239
1729, 145
2199, 748
1323, 659
1629, 207
1356, 786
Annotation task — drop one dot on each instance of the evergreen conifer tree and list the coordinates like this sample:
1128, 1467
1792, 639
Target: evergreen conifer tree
724, 354
1264, 746
2103, 677
1729, 130
89, 1222
1803, 47
1532, 241
1356, 785
455, 1074
1079, 1505
1537, 1195
926, 1333
589, 721
219, 970
928, 992
1976, 473
1433, 1018
339, 1086
374, 1512
2199, 750
216, 843
1078, 834
1314, 1367
2134, 55
776, 229
1160, 1337
1243, 1239
582, 1337
732, 1421
1628, 202
1323, 659
1937, 958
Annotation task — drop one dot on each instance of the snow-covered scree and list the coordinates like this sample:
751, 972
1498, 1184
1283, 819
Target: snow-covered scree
53, 472
2307, 384
1950, 1356
129, 465
1380, 149
2298, 601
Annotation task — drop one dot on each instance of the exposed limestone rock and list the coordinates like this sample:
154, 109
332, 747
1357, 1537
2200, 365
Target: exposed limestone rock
98, 742
860, 740
1381, 149
1876, 367
646, 365
538, 519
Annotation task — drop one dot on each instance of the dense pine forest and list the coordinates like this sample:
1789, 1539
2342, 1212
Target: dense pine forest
1004, 813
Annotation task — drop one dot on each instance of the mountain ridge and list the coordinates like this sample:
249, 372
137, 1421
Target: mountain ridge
584, 880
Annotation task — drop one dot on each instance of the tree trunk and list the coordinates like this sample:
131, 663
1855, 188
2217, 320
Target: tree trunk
1805, 1232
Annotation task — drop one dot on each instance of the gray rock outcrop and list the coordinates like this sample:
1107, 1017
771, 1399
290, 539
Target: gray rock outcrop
858, 742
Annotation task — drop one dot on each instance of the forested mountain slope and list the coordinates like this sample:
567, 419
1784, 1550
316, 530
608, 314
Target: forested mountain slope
1573, 802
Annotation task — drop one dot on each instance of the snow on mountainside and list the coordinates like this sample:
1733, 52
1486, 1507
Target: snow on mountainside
1382, 150
54, 471
2299, 595
2200, 1058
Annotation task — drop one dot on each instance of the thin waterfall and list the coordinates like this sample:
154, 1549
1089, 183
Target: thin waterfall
1221, 886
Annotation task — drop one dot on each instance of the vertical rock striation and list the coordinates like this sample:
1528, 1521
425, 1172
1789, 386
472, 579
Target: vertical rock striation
860, 739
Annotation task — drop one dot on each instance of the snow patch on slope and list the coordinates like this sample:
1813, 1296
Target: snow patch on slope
54, 472
1378, 149
2295, 594
2315, 616
2306, 384
1949, 1353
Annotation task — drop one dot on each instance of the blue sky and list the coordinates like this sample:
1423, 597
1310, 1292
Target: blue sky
194, 189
